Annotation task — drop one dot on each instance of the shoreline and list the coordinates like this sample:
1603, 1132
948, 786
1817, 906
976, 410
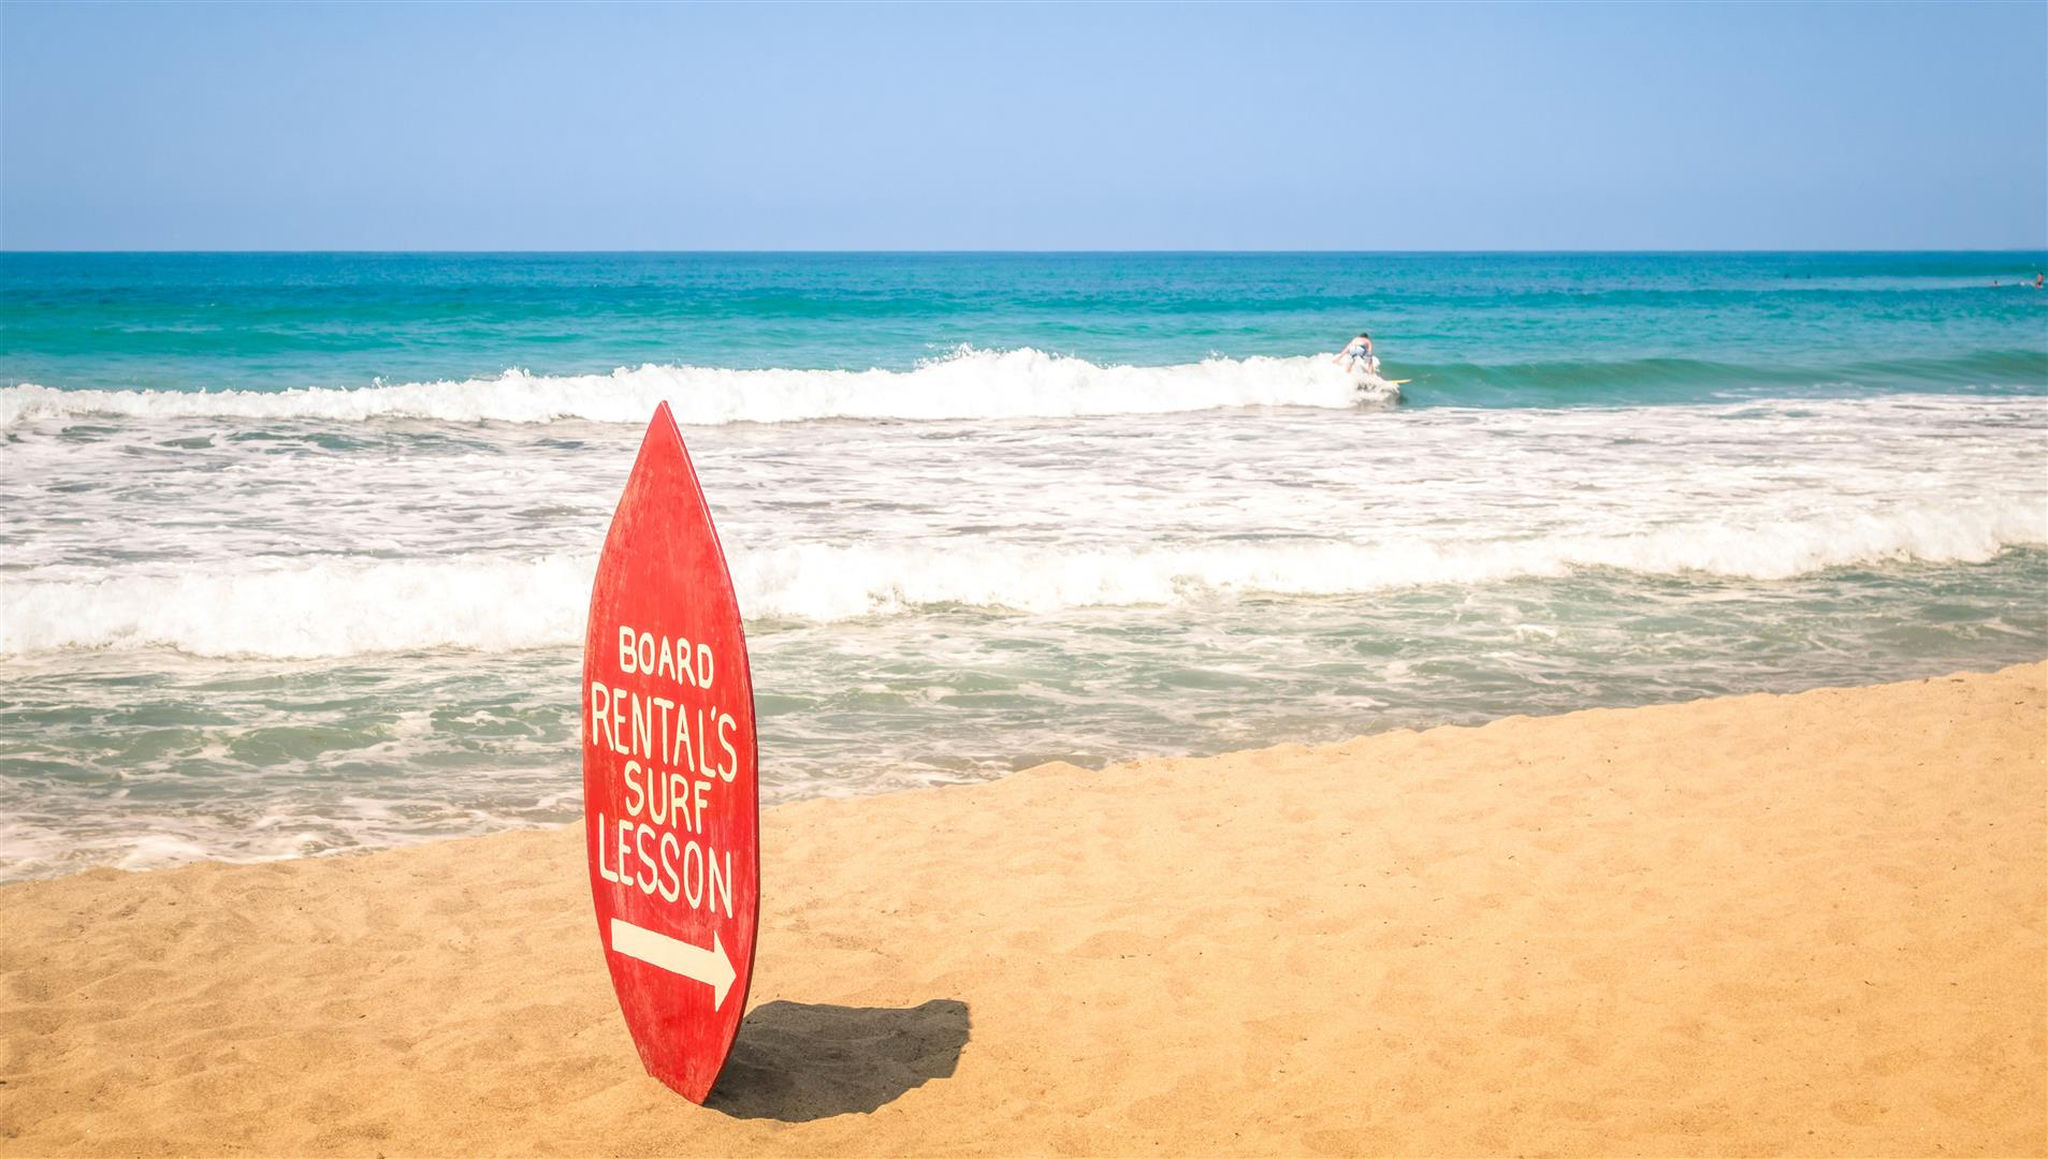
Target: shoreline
1806, 922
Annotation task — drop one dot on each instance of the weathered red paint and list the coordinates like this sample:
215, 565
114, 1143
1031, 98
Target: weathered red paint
663, 575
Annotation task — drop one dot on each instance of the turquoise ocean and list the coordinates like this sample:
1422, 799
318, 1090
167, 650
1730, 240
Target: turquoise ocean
297, 546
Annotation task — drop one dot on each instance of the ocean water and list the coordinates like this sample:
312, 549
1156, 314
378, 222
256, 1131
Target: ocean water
297, 547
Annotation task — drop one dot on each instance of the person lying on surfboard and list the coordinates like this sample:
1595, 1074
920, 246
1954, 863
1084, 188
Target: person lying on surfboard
1358, 355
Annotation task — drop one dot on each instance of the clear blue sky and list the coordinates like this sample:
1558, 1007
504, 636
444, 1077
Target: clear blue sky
1017, 127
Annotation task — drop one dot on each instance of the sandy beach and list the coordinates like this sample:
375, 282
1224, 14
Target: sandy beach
1808, 924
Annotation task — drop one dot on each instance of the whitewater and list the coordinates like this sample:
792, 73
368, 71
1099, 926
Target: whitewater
358, 556
286, 607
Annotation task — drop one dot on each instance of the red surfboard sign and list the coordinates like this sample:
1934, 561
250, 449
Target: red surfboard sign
671, 806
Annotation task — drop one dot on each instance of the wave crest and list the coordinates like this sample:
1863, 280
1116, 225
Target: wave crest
967, 384
339, 606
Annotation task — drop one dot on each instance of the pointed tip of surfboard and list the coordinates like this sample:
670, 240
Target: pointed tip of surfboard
663, 423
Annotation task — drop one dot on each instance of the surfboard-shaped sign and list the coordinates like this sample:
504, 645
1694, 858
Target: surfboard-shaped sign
670, 801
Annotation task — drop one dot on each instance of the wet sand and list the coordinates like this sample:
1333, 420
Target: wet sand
1809, 924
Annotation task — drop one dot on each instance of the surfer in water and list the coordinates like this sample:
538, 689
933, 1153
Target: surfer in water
1358, 355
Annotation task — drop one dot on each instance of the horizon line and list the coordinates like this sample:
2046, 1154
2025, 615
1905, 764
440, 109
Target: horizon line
941, 252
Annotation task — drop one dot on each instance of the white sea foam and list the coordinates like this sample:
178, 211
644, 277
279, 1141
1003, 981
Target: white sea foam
968, 384
338, 606
829, 583
322, 607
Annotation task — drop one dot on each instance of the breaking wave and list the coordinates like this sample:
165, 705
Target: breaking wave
339, 606
968, 384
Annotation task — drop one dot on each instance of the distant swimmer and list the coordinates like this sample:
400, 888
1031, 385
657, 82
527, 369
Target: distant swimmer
1363, 366
2038, 283
1358, 355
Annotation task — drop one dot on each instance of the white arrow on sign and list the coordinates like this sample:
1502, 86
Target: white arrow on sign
710, 967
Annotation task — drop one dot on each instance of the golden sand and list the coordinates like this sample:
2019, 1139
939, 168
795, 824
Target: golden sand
1808, 924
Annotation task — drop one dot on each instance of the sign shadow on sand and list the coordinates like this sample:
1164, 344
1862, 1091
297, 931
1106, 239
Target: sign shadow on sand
797, 1062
